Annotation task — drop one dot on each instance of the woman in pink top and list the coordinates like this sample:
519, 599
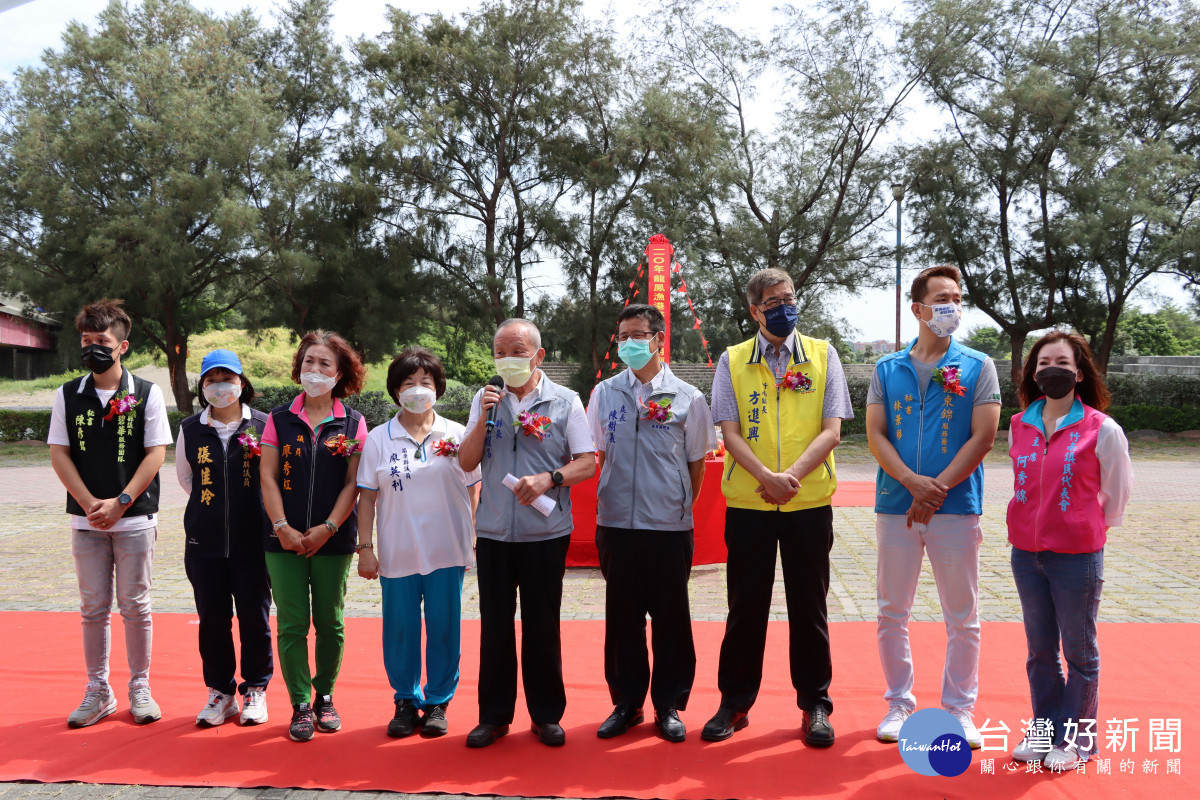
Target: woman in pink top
310, 453
1072, 477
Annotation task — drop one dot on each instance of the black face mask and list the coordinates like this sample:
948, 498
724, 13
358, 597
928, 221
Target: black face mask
97, 358
1055, 382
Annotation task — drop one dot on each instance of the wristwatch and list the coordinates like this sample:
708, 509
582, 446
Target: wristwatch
124, 499
556, 478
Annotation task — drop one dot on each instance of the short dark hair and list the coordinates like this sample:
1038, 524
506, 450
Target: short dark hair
246, 397
409, 361
917, 292
1090, 390
98, 317
764, 279
649, 314
349, 363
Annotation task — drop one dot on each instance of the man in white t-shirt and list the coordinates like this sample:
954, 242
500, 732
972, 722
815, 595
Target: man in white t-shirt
108, 438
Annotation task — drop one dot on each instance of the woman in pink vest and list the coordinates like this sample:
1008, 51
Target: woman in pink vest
1071, 481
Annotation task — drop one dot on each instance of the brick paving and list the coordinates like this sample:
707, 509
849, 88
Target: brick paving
1152, 574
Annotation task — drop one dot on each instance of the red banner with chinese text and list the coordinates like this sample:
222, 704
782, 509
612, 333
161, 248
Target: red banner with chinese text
658, 260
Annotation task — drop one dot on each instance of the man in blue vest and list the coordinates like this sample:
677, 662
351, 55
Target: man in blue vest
108, 438
653, 432
534, 446
932, 413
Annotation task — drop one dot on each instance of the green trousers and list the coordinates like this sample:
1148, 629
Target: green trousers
295, 581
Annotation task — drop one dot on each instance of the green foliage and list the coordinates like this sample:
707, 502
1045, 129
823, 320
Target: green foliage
127, 166
1156, 418
16, 426
1069, 174
1167, 331
376, 407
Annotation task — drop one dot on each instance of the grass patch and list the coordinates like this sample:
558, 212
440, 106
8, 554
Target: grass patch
51, 382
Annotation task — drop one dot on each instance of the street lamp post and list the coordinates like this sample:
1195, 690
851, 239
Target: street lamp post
898, 193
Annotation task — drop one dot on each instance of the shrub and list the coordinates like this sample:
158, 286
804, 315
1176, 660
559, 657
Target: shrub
1139, 416
16, 426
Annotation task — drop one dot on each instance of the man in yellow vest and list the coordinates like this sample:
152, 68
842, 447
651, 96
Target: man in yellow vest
780, 399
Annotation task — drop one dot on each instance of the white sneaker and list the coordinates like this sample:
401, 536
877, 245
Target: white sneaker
98, 703
220, 707
970, 732
254, 706
142, 706
1062, 758
889, 728
1028, 751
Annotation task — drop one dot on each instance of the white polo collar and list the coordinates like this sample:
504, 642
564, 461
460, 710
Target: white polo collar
397, 431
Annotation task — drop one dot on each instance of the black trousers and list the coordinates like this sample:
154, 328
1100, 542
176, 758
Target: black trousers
646, 572
536, 570
218, 584
803, 539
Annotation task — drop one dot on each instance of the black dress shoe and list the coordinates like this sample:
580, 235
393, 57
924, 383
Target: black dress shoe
669, 725
817, 730
619, 721
550, 733
484, 734
723, 724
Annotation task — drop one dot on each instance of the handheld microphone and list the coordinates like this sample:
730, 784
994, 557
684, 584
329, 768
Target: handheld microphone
498, 382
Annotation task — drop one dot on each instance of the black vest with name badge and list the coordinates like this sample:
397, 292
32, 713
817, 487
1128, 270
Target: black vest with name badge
224, 515
107, 453
311, 477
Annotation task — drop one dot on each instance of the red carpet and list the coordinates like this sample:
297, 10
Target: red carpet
709, 515
1149, 672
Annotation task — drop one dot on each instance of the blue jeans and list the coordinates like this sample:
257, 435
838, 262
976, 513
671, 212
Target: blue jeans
441, 594
1060, 601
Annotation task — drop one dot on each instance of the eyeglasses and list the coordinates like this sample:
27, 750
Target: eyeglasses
776, 302
637, 336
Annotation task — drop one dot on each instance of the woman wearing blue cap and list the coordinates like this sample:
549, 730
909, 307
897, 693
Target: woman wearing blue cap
217, 461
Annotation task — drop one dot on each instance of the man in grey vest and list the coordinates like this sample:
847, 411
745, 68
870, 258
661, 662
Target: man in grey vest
534, 444
652, 431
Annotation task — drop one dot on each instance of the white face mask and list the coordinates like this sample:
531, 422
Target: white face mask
317, 384
222, 395
417, 399
945, 320
515, 371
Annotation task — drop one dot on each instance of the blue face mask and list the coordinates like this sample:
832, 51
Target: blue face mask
781, 320
636, 354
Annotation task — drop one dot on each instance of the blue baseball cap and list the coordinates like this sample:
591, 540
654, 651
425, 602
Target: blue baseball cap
221, 359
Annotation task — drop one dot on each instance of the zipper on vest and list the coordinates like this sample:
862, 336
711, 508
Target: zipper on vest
636, 440
778, 446
225, 448
312, 477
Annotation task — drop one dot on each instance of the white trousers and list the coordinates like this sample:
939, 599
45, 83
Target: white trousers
952, 542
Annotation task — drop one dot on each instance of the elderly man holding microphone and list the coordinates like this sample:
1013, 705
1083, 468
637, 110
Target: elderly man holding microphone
534, 444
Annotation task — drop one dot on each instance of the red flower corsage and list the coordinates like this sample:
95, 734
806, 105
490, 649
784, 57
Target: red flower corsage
120, 407
948, 379
658, 411
532, 424
341, 446
249, 442
796, 381
446, 447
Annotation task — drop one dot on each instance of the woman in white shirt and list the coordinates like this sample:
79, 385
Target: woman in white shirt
412, 482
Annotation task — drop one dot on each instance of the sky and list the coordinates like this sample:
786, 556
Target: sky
29, 27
